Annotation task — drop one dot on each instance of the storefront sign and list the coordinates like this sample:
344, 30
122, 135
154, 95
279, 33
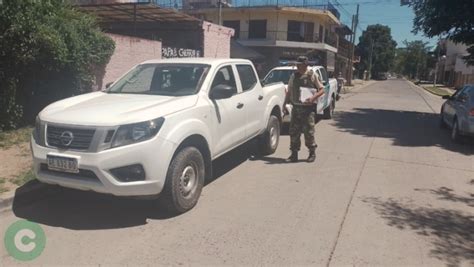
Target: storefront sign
173, 52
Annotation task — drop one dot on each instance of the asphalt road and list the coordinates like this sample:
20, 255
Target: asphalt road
388, 188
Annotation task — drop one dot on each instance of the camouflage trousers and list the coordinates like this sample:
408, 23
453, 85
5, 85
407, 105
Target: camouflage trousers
302, 121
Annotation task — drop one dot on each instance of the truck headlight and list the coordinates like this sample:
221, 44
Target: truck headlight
37, 136
137, 132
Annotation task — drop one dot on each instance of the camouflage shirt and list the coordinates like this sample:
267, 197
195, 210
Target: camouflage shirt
308, 79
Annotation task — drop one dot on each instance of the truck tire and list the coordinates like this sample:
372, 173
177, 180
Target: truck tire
329, 111
184, 181
268, 141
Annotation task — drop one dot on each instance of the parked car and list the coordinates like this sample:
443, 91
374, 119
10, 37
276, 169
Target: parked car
457, 113
325, 104
381, 76
156, 130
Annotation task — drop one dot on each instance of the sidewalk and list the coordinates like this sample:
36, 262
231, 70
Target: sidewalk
439, 90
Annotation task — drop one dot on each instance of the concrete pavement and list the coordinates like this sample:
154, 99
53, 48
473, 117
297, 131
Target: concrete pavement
388, 188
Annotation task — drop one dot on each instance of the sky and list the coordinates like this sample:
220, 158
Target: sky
385, 12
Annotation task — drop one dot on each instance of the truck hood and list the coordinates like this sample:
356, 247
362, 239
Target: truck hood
103, 109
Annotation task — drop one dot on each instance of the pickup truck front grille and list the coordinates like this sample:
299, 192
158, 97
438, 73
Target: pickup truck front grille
69, 138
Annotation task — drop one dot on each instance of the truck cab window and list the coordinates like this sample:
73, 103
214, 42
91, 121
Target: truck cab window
225, 76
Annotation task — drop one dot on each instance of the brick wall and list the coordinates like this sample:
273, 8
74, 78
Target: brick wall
129, 51
216, 40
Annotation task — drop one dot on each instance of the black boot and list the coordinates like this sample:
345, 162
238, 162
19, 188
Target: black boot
312, 156
293, 157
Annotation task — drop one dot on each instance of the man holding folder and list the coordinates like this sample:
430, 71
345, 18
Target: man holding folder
304, 88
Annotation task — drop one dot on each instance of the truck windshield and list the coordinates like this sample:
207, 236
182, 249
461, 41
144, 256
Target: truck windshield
276, 76
162, 79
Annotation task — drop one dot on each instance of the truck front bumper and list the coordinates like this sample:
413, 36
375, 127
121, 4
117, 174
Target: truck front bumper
95, 168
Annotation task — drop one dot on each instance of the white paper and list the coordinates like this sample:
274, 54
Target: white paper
306, 92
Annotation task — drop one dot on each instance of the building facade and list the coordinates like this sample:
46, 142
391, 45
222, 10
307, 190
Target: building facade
452, 70
280, 32
144, 30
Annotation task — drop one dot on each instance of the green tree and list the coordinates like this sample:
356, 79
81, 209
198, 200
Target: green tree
48, 51
453, 19
377, 49
414, 60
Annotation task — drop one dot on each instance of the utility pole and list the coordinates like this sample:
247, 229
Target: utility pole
369, 74
355, 22
220, 12
350, 64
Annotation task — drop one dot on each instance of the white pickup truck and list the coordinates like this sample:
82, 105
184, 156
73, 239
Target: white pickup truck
325, 104
156, 130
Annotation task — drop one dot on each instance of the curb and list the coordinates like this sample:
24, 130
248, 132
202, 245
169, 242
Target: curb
424, 89
429, 91
26, 194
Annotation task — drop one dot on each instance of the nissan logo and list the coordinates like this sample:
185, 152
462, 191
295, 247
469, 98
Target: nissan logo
66, 138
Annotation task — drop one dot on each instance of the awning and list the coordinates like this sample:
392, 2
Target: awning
239, 51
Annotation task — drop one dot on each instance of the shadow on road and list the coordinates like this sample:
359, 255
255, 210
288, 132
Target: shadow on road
449, 231
448, 194
79, 210
404, 128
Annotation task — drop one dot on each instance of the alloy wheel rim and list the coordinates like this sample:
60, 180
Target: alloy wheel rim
188, 179
273, 136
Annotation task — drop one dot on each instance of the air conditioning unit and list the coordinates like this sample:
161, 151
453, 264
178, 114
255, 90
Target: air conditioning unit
196, 4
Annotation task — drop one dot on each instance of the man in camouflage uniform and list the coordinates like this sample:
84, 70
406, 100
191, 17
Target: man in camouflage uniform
303, 113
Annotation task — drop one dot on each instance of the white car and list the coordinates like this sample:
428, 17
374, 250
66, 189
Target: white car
325, 104
156, 130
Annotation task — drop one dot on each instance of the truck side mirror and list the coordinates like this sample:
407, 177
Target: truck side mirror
108, 85
446, 97
222, 91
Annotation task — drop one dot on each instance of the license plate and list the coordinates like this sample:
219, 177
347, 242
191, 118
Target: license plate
63, 164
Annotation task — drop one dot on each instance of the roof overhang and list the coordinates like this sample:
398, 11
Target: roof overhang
118, 11
325, 15
288, 44
344, 30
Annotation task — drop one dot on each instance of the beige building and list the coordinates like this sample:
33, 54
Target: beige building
281, 33
453, 70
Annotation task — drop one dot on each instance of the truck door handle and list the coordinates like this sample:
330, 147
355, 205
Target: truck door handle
260, 97
240, 105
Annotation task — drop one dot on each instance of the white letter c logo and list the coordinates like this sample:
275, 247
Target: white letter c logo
30, 246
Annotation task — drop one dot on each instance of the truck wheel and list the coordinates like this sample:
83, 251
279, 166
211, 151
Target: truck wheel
184, 181
270, 138
329, 111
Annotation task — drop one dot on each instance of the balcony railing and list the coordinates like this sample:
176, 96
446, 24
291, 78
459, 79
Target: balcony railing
344, 48
184, 4
312, 4
331, 39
